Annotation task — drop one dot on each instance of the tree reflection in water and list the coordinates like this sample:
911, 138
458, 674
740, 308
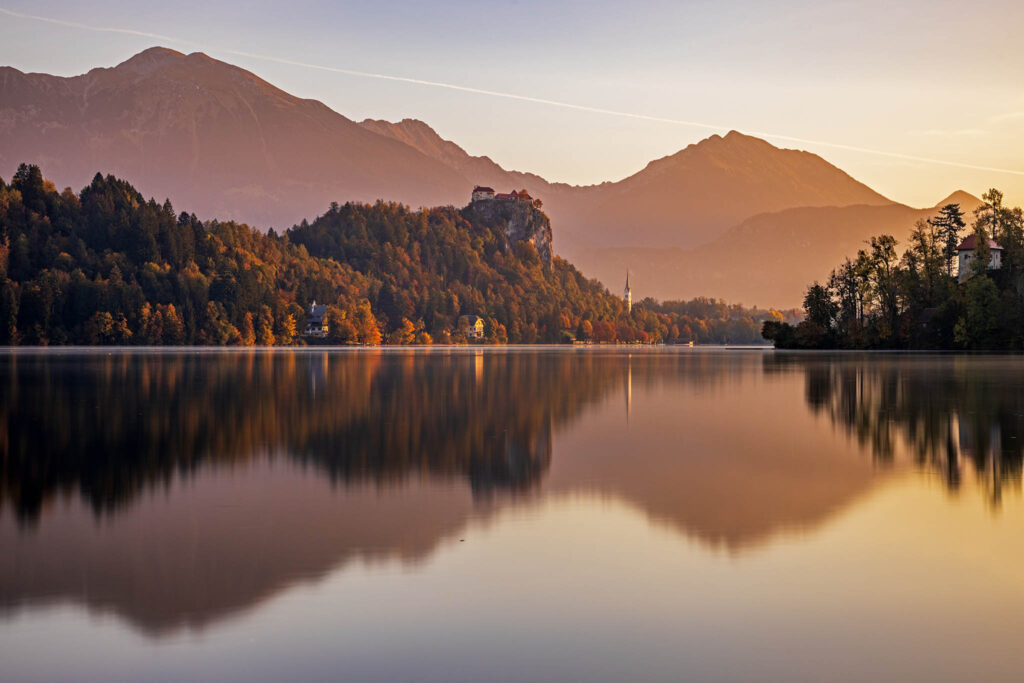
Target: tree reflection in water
948, 411
194, 507
109, 426
202, 475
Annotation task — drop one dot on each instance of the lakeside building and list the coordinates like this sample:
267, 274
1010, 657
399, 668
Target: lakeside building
316, 320
965, 254
474, 326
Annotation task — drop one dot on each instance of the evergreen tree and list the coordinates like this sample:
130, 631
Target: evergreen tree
1005, 226
819, 306
948, 225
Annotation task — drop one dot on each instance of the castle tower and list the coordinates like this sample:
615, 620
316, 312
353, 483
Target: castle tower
628, 295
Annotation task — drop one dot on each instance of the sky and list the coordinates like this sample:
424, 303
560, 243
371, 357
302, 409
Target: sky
884, 90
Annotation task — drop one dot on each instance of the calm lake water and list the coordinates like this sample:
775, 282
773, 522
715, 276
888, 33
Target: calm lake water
510, 515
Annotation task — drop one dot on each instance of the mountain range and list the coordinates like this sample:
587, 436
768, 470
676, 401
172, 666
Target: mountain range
680, 200
731, 216
210, 136
768, 259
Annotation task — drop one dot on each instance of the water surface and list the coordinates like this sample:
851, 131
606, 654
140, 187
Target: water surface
510, 514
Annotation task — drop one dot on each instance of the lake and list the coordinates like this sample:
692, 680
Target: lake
510, 514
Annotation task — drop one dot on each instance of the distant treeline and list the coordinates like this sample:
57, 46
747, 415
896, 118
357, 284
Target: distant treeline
712, 321
106, 266
881, 300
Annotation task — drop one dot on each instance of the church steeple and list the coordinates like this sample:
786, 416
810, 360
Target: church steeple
628, 295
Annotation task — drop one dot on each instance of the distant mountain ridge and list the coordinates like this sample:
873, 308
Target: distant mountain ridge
210, 136
690, 197
768, 259
217, 137
679, 200
480, 170
220, 140
967, 201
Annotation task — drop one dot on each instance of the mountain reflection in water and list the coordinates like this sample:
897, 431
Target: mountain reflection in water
176, 489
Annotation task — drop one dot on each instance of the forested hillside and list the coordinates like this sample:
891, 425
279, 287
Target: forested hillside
427, 268
919, 300
106, 266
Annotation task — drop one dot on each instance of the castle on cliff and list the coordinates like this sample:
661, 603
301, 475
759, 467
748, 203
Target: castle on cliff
485, 194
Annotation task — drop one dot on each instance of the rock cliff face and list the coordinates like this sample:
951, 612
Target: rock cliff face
521, 221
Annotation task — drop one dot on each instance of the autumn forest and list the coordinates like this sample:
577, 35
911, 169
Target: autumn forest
107, 266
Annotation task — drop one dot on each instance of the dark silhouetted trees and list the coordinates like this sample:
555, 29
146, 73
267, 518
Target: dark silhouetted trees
882, 300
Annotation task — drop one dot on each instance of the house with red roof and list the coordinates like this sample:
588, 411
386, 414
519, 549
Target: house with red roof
481, 193
965, 255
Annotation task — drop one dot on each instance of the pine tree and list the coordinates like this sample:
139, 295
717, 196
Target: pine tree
948, 225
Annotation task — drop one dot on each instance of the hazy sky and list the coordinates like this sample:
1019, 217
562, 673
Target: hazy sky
922, 78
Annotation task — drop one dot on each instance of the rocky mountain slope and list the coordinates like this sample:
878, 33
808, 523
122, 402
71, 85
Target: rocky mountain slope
210, 136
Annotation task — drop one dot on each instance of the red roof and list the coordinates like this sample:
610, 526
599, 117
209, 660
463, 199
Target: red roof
514, 194
481, 188
968, 244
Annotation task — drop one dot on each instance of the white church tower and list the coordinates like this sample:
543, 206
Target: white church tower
628, 295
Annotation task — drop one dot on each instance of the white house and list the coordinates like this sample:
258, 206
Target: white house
965, 254
481, 193
474, 326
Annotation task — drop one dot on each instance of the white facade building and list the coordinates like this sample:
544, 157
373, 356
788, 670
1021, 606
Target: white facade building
965, 255
481, 193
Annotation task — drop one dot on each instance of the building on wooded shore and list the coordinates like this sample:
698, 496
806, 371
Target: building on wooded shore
316, 320
965, 255
474, 326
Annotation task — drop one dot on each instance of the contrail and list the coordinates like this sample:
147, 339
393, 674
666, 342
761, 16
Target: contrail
515, 96
90, 27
